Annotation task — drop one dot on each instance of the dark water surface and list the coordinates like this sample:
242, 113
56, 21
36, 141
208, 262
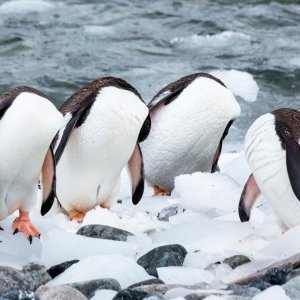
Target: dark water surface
58, 46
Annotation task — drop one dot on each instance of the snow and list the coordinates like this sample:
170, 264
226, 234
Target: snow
240, 83
275, 293
104, 295
206, 224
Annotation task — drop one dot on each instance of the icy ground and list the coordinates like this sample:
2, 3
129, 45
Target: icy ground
206, 224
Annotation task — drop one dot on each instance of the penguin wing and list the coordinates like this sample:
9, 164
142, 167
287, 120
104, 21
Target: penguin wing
219, 148
249, 195
136, 170
145, 130
48, 181
292, 149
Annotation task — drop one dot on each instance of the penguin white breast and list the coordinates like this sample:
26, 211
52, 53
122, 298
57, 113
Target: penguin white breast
99, 149
185, 134
26, 131
267, 160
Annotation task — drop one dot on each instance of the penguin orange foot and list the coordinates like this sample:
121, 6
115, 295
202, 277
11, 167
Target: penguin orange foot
76, 215
24, 225
161, 192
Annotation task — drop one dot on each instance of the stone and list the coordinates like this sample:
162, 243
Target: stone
37, 272
292, 288
12, 279
243, 290
277, 276
236, 260
163, 256
89, 288
104, 232
146, 282
61, 292
20, 295
60, 268
168, 212
260, 284
130, 294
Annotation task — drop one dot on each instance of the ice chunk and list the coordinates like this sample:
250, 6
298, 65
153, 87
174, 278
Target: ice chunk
275, 292
60, 246
182, 275
124, 269
25, 6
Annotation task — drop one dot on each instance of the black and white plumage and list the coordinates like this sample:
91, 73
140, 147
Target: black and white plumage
273, 153
28, 124
190, 119
107, 119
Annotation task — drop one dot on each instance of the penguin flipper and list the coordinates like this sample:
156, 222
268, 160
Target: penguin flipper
165, 98
48, 182
145, 130
65, 137
293, 163
136, 171
249, 195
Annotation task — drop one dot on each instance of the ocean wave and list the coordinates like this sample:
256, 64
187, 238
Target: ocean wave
25, 6
240, 83
220, 39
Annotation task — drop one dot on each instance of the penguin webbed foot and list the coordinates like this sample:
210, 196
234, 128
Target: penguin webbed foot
24, 225
76, 215
158, 191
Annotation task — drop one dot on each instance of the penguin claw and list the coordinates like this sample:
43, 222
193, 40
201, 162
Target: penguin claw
30, 239
15, 231
1, 228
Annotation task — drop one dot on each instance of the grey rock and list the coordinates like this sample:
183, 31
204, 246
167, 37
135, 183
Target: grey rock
293, 274
20, 295
104, 232
12, 279
37, 273
130, 294
146, 282
164, 256
89, 288
236, 260
195, 296
61, 292
292, 288
243, 290
260, 284
60, 268
277, 276
169, 211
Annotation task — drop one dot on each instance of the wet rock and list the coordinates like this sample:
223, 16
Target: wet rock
37, 273
236, 260
243, 290
12, 279
293, 274
168, 212
104, 232
195, 296
60, 268
164, 256
277, 276
89, 288
61, 292
260, 284
20, 295
146, 282
130, 294
292, 288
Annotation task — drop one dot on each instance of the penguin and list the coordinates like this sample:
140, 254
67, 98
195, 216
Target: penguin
272, 150
190, 119
28, 124
107, 120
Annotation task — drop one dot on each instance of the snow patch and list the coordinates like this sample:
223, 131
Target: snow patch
275, 292
25, 6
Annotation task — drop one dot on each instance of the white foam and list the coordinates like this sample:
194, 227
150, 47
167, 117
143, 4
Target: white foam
25, 6
221, 39
240, 83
